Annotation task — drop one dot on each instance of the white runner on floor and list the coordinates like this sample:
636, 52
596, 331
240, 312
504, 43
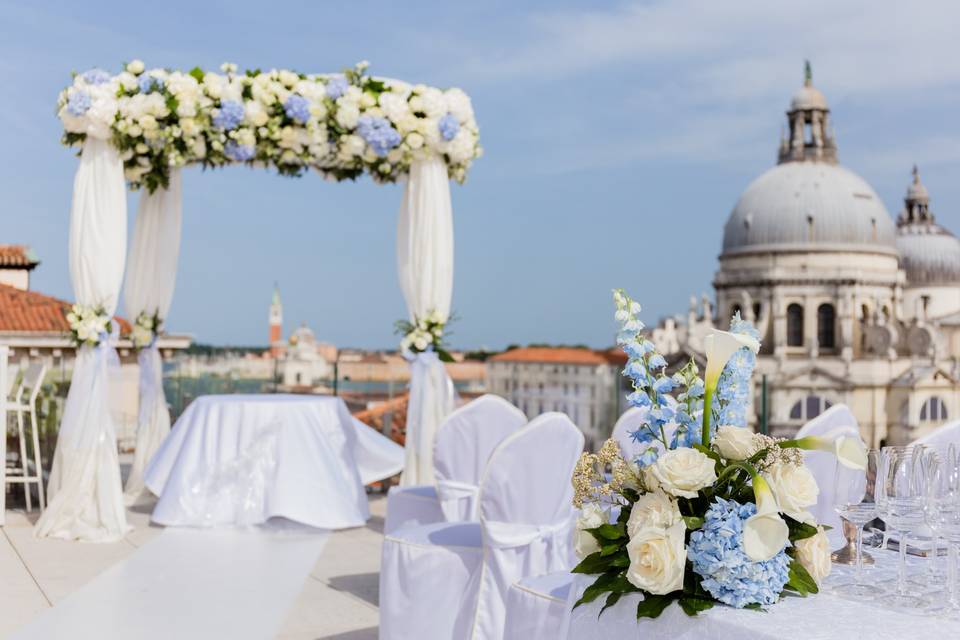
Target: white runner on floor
189, 583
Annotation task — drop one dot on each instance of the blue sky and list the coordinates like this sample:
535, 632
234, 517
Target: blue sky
617, 138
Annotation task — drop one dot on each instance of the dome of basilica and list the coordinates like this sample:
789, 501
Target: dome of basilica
812, 204
929, 254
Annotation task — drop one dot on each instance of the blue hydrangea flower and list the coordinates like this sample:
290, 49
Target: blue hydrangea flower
148, 83
337, 86
297, 108
733, 389
449, 127
378, 133
229, 116
729, 575
239, 152
95, 76
78, 103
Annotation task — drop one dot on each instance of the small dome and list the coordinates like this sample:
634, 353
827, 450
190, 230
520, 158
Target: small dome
303, 335
929, 254
813, 205
808, 97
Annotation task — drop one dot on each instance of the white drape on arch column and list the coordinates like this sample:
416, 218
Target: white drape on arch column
425, 266
86, 495
150, 281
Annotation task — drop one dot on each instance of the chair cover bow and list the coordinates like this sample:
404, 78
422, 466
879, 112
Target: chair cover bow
458, 500
510, 535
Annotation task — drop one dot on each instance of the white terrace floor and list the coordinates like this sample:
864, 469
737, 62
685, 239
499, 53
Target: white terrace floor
338, 600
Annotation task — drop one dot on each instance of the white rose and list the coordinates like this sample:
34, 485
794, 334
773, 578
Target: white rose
814, 554
288, 78
590, 517
135, 67
347, 113
657, 559
653, 509
794, 487
735, 443
682, 472
415, 140
421, 343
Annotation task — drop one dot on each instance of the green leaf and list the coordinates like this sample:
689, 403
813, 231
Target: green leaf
755, 606
693, 522
197, 73
611, 600
600, 586
444, 355
800, 580
609, 549
799, 530
692, 605
652, 606
594, 563
609, 531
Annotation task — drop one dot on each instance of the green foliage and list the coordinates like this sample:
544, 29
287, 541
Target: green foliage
799, 580
652, 606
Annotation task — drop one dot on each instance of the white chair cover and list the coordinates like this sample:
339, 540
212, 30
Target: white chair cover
461, 449
85, 491
822, 464
631, 420
440, 582
151, 276
425, 268
946, 434
536, 607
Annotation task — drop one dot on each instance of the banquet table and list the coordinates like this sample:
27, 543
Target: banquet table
243, 459
819, 617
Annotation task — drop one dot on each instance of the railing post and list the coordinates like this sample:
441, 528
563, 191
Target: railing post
4, 389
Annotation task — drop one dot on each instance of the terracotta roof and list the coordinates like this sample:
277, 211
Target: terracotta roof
374, 417
559, 355
615, 355
32, 312
17, 255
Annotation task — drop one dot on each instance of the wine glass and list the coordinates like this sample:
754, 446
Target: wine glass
900, 498
854, 497
942, 511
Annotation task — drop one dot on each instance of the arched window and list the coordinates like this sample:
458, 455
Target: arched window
736, 309
933, 410
826, 327
809, 408
794, 325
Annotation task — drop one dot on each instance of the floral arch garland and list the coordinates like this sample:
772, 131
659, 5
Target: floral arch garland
342, 125
140, 127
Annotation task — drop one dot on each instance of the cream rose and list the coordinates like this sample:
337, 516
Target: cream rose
682, 472
591, 517
735, 443
653, 509
657, 559
794, 487
814, 554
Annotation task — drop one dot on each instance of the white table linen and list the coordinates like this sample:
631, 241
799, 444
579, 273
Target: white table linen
821, 617
462, 447
450, 580
242, 459
536, 606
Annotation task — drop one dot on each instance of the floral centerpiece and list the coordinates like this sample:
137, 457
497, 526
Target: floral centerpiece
89, 325
342, 125
146, 328
424, 334
700, 514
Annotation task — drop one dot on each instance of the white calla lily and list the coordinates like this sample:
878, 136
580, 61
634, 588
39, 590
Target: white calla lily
849, 449
765, 533
720, 347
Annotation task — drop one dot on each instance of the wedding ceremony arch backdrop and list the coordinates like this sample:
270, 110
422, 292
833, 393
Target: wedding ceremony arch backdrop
141, 127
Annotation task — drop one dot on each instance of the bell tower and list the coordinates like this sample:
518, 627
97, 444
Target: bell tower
810, 136
276, 324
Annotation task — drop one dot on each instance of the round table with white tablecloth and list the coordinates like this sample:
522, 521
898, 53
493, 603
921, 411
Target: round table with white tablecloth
242, 459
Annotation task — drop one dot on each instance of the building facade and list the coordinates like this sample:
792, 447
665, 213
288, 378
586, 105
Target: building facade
852, 306
586, 385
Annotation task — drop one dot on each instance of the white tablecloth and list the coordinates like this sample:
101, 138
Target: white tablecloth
821, 617
242, 459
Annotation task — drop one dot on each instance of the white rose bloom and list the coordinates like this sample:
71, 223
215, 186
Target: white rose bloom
590, 517
682, 472
213, 84
348, 112
367, 100
814, 554
353, 145
288, 78
255, 114
432, 102
148, 123
415, 140
657, 559
653, 509
461, 148
189, 126
735, 443
135, 67
421, 342
127, 80
458, 103
199, 147
246, 137
794, 487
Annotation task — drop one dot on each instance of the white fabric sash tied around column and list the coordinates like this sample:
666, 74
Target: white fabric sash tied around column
458, 500
432, 398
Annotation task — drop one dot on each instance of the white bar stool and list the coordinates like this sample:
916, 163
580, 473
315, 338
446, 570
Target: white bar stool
29, 386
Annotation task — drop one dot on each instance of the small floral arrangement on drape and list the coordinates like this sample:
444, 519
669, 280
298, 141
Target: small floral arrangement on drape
146, 328
701, 515
342, 125
424, 334
89, 325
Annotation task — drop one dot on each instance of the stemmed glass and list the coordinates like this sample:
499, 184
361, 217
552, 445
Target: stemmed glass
900, 498
942, 511
854, 496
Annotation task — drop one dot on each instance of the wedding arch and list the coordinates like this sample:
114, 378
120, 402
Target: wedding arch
141, 127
